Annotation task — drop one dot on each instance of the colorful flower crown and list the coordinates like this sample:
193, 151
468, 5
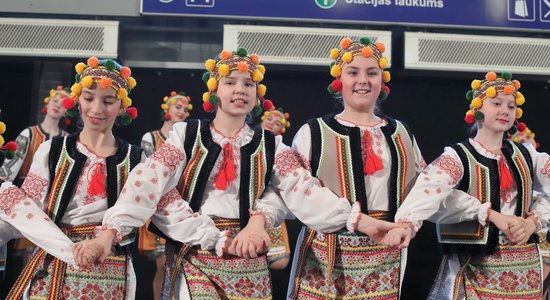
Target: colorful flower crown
345, 54
173, 99
106, 73
490, 87
269, 109
222, 66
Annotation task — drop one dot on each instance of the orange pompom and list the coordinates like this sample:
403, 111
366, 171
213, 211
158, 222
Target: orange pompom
125, 72
225, 54
380, 46
509, 89
344, 44
173, 93
93, 62
105, 83
517, 84
287, 116
366, 51
242, 67
255, 59
491, 76
59, 88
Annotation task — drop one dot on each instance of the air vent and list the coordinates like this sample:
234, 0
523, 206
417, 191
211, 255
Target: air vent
456, 52
58, 38
294, 45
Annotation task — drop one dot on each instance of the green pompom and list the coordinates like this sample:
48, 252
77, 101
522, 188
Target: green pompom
205, 76
364, 40
72, 113
110, 64
126, 119
242, 52
10, 154
383, 95
182, 93
329, 89
77, 78
506, 76
332, 63
256, 111
479, 115
513, 130
469, 95
213, 99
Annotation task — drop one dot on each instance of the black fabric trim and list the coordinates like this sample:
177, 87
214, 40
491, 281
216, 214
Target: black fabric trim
388, 131
79, 161
354, 134
213, 152
315, 130
492, 165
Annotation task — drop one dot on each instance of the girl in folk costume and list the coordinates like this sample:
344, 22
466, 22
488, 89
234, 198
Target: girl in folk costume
224, 166
278, 256
372, 161
71, 183
480, 194
28, 141
175, 108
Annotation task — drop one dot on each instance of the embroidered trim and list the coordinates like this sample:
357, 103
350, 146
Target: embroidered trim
289, 161
546, 169
450, 166
169, 156
34, 186
168, 199
9, 198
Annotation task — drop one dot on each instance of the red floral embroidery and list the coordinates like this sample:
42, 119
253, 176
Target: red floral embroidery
450, 166
34, 186
288, 161
30, 216
168, 199
9, 198
422, 163
169, 156
546, 169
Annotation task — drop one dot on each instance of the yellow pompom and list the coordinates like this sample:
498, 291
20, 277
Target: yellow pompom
283, 130
261, 68
165, 99
80, 67
347, 57
189, 106
164, 106
263, 117
262, 89
52, 93
205, 96
47, 100
87, 82
121, 93
386, 76
491, 92
383, 62
1, 141
212, 84
2, 127
470, 112
173, 101
126, 102
533, 135
520, 99
131, 82
519, 112
476, 84
287, 123
516, 139
210, 64
334, 53
223, 70
76, 88
335, 71
476, 103
257, 76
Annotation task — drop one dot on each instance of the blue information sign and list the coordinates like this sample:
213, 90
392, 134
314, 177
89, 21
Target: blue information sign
499, 14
